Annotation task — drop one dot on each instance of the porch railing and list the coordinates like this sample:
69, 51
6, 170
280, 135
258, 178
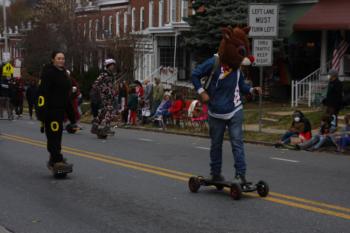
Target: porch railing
167, 76
310, 90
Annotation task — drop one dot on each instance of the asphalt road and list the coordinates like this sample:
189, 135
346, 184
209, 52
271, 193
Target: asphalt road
136, 181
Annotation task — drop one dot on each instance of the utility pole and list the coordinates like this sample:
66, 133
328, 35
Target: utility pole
5, 27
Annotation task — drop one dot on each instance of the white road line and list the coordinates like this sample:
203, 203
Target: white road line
286, 160
146, 139
202, 148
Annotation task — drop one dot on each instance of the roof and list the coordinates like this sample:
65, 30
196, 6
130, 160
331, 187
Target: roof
326, 15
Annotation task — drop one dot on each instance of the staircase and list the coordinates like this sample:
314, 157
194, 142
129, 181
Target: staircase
309, 91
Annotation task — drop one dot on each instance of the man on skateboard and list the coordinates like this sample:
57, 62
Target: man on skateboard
105, 86
222, 93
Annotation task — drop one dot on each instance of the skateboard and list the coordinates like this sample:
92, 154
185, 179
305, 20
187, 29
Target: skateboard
103, 133
236, 189
60, 173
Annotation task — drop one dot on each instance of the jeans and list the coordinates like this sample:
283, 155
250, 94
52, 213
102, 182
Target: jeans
316, 142
344, 142
217, 129
286, 137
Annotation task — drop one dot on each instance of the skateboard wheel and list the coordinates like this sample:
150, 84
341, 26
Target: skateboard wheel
219, 187
194, 184
262, 188
60, 175
236, 191
101, 136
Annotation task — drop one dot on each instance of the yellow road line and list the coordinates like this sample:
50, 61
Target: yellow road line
316, 203
106, 159
306, 207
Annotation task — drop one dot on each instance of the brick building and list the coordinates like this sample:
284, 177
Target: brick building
157, 25
15, 39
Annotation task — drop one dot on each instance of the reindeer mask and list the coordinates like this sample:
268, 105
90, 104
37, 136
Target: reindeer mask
234, 47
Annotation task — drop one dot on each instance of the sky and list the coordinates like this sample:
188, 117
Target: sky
7, 2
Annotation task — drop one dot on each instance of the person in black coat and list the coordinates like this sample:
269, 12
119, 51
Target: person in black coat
54, 100
31, 95
334, 98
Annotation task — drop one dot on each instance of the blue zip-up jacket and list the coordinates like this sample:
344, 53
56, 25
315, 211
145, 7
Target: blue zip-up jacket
224, 93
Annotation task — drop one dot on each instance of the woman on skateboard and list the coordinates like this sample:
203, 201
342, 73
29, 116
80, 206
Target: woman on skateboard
54, 100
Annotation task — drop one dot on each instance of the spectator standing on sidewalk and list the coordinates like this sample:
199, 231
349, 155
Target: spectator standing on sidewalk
132, 105
158, 93
334, 98
32, 96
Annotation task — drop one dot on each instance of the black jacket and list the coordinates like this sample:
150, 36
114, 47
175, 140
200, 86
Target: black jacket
31, 94
54, 93
334, 97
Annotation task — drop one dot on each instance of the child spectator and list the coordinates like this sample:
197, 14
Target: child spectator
132, 105
322, 137
300, 128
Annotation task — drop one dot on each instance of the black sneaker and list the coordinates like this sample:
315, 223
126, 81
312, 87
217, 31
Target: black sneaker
217, 178
278, 145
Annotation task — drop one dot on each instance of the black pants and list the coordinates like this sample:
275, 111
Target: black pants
30, 106
94, 109
53, 130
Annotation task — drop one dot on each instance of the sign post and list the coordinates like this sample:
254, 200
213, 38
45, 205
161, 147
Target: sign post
263, 22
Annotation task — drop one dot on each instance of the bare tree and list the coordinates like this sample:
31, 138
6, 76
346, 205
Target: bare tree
54, 29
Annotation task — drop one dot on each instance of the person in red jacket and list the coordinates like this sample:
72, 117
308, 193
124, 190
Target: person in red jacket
176, 108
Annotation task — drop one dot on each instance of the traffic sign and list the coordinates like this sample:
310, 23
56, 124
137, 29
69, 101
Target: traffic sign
17, 72
263, 20
6, 56
262, 52
18, 63
7, 70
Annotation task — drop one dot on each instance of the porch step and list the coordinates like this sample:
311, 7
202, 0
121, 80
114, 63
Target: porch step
284, 113
266, 120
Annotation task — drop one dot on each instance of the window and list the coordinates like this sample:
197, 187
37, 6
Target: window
150, 17
96, 29
110, 25
90, 29
84, 31
142, 18
103, 27
125, 21
133, 19
160, 13
168, 10
173, 10
117, 24
184, 12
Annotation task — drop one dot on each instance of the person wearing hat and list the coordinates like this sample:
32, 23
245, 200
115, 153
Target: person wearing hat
163, 106
334, 98
106, 90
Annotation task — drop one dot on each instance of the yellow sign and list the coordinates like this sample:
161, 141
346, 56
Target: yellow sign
7, 70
